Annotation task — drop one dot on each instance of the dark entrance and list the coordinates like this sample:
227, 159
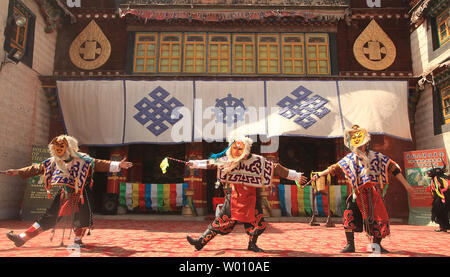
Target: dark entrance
306, 154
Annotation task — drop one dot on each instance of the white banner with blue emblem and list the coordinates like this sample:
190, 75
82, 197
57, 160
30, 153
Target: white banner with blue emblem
228, 108
117, 112
158, 111
92, 110
305, 108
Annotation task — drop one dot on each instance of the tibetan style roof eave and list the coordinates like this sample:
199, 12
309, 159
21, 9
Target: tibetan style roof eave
426, 8
231, 4
225, 10
311, 14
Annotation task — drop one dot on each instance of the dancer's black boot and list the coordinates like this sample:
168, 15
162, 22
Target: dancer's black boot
252, 244
202, 240
378, 241
18, 241
350, 247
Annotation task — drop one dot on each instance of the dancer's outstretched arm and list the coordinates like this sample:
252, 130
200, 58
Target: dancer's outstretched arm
26, 172
100, 165
111, 166
201, 164
289, 174
332, 169
394, 170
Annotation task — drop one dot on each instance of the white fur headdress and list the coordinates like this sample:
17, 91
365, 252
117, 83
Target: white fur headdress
362, 140
71, 151
72, 146
247, 143
229, 162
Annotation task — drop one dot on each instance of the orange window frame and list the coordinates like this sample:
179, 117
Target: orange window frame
317, 59
268, 58
195, 45
146, 57
220, 58
15, 40
441, 20
244, 45
292, 59
445, 94
170, 45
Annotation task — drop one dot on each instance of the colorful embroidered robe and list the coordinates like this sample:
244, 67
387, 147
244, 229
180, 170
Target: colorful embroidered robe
78, 173
250, 174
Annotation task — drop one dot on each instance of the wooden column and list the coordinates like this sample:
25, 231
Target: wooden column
136, 156
341, 151
195, 179
115, 178
271, 153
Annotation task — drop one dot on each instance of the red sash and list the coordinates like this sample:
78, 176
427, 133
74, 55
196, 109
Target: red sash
373, 210
243, 203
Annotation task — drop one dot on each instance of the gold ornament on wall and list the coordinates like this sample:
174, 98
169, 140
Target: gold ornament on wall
373, 48
91, 48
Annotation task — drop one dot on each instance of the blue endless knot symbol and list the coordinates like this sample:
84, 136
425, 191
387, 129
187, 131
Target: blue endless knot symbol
157, 110
229, 110
303, 107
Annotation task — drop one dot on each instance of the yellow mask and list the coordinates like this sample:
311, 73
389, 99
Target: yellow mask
357, 138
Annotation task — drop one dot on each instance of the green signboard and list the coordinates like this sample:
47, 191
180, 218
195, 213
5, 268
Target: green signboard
36, 200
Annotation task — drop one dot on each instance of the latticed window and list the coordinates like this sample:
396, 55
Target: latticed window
293, 56
268, 54
446, 103
145, 53
442, 25
219, 56
317, 54
244, 54
194, 53
19, 33
170, 53
232, 53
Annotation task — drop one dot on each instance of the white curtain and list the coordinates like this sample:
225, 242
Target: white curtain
379, 106
124, 112
93, 111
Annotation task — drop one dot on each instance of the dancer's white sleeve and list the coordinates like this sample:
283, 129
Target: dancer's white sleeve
294, 175
114, 166
200, 164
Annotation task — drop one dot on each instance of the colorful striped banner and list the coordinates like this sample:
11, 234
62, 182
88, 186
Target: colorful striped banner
148, 199
297, 202
129, 195
122, 193
156, 197
142, 197
135, 195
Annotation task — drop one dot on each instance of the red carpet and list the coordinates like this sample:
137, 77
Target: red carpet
128, 238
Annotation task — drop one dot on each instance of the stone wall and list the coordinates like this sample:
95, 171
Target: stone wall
24, 109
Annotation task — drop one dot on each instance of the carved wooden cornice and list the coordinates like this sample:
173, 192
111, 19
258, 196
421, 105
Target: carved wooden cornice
232, 10
426, 8
234, 4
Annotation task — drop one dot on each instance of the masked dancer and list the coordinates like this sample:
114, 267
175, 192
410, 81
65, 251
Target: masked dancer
367, 172
243, 174
72, 171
